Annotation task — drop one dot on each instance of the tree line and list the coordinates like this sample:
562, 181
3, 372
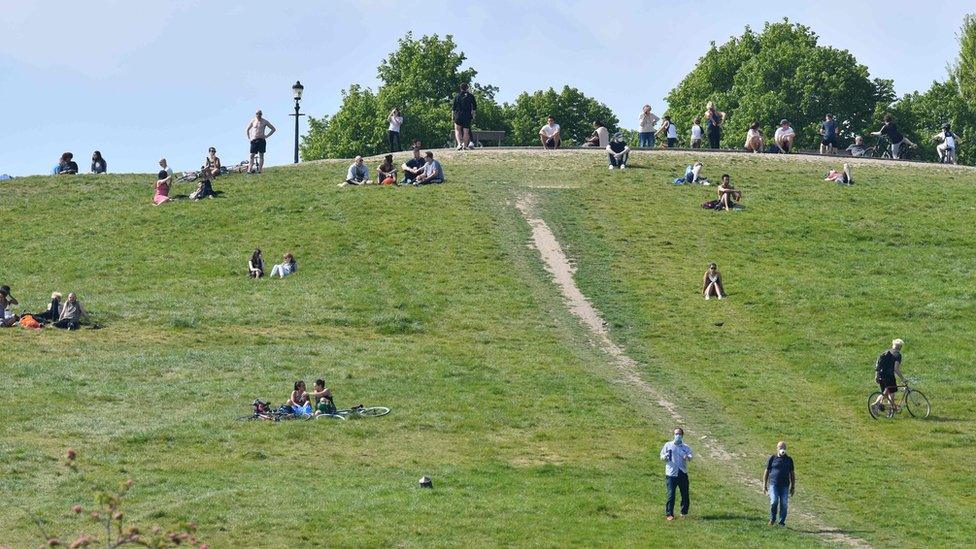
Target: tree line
780, 72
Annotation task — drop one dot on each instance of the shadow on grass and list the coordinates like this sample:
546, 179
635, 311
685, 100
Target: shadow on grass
942, 419
729, 516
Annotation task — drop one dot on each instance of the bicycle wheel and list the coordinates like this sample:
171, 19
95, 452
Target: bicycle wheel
330, 416
874, 411
373, 411
917, 404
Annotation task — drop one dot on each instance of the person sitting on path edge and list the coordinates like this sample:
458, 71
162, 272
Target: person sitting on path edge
618, 152
600, 137
549, 134
358, 173
676, 454
779, 480
754, 139
98, 164
784, 136
433, 172
712, 283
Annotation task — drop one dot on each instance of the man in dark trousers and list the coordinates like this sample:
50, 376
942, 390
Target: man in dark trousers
779, 481
676, 454
885, 370
463, 111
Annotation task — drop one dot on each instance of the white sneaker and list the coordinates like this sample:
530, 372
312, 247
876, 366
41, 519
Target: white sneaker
623, 166
720, 296
611, 168
707, 297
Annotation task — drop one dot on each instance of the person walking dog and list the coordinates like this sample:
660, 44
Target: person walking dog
676, 454
779, 481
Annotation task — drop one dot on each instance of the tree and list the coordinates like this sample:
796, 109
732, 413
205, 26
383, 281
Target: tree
781, 72
313, 144
963, 72
354, 129
572, 109
921, 115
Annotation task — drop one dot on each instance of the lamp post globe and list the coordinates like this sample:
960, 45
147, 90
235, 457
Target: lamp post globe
297, 90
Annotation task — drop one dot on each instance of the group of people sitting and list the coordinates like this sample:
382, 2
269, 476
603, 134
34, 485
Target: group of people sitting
418, 170
66, 316
255, 266
305, 403
67, 166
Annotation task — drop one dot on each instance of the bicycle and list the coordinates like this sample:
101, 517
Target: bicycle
354, 412
912, 400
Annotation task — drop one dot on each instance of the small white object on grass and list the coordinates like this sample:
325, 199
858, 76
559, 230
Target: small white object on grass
425, 482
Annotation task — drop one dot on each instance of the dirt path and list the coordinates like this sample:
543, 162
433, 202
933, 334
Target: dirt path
561, 271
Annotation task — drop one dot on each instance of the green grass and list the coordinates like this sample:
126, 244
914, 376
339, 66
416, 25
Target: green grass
429, 301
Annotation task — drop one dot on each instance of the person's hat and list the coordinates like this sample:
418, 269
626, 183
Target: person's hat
619, 136
946, 126
784, 121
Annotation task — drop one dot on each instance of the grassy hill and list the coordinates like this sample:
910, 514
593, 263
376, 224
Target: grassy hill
431, 301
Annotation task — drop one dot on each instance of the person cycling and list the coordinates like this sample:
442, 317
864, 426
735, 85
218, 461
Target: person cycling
322, 398
947, 147
885, 370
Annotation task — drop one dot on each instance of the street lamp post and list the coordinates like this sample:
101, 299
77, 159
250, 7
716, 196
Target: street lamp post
297, 90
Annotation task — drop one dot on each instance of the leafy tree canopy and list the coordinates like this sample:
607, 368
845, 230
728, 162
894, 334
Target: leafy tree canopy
573, 110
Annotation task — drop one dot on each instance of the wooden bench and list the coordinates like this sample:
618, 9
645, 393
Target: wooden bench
479, 137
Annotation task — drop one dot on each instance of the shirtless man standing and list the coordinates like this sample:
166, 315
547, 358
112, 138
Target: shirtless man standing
259, 140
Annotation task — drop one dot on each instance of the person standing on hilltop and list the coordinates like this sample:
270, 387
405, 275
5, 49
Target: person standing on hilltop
646, 122
255, 132
463, 111
713, 125
676, 455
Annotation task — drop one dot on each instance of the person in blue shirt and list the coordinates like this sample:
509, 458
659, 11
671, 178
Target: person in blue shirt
779, 481
828, 135
676, 454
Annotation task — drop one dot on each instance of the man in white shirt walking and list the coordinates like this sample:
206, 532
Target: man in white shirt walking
549, 134
257, 133
676, 454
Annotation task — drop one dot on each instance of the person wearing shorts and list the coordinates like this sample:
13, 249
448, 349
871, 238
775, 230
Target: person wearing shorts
257, 132
885, 369
322, 397
828, 135
463, 111
895, 137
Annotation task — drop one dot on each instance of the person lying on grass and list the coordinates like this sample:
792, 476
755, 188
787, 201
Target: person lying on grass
286, 267
71, 314
712, 283
728, 196
845, 176
322, 398
299, 403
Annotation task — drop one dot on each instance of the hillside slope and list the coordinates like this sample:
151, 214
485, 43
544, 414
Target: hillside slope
429, 301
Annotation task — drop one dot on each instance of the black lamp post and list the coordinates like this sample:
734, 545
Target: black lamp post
297, 89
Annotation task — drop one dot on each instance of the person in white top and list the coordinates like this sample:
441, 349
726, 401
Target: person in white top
169, 171
784, 136
549, 134
646, 122
696, 133
754, 139
670, 131
947, 147
712, 283
256, 133
393, 133
600, 137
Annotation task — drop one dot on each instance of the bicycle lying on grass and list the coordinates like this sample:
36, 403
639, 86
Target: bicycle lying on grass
263, 411
912, 400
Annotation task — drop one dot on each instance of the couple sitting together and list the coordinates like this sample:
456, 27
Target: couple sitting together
255, 265
416, 171
317, 402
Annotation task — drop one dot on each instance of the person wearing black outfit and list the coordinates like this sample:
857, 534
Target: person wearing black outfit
463, 111
413, 167
53, 311
779, 481
885, 370
67, 166
889, 130
98, 164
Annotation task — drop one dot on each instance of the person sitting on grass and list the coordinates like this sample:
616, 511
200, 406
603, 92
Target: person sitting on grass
433, 172
7, 318
98, 164
857, 148
549, 134
298, 403
255, 265
286, 267
712, 283
728, 196
784, 136
162, 188
71, 314
358, 173
413, 168
209, 172
386, 173
67, 166
754, 139
53, 311
693, 174
322, 398
600, 137
844, 177
618, 152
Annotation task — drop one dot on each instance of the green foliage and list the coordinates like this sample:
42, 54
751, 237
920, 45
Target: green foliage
313, 144
963, 72
357, 128
574, 111
781, 72
921, 115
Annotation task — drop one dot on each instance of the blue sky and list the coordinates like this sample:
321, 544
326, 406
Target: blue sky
140, 80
